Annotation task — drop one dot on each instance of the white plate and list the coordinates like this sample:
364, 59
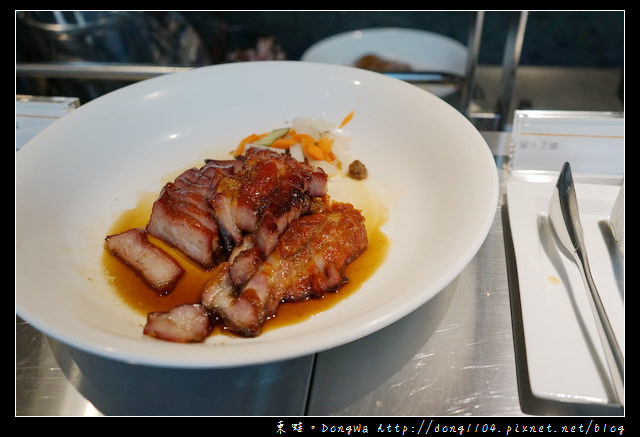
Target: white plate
423, 50
427, 164
564, 354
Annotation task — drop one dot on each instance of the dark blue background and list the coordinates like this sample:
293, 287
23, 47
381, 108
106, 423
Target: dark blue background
565, 38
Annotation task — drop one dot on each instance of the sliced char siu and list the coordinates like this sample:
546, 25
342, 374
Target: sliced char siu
244, 261
266, 194
182, 217
159, 269
309, 260
262, 225
187, 323
207, 212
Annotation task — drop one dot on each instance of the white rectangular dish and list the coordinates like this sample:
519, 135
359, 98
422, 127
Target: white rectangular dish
564, 356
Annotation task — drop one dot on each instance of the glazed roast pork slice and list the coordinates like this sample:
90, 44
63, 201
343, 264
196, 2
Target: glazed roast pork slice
308, 260
185, 226
159, 269
186, 323
206, 212
182, 216
267, 193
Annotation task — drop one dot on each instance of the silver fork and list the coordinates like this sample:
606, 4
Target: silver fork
567, 230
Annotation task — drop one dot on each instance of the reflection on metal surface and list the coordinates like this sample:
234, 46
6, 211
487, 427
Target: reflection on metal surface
42, 389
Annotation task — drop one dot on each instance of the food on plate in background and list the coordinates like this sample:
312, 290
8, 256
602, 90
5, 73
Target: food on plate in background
379, 63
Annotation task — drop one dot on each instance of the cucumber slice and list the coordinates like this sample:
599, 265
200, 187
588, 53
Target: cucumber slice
268, 139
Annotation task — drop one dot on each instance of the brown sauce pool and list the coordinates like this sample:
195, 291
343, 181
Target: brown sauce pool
143, 299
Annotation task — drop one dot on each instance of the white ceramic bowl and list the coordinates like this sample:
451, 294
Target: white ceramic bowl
428, 165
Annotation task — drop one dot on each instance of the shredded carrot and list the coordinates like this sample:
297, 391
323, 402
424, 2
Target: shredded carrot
239, 150
315, 152
346, 120
325, 143
284, 142
250, 139
303, 138
329, 156
314, 149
